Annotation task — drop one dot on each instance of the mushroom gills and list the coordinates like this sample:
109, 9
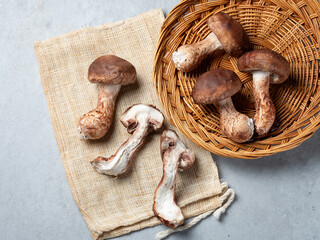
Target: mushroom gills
140, 120
119, 162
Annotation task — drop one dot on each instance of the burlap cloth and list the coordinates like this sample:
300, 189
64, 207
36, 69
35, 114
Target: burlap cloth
116, 206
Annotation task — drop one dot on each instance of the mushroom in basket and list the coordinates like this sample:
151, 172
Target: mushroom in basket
140, 120
267, 67
175, 156
217, 87
110, 72
226, 34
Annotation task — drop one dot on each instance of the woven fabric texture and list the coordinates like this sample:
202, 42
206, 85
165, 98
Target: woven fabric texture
116, 206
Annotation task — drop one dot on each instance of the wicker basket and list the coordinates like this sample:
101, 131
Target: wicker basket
289, 27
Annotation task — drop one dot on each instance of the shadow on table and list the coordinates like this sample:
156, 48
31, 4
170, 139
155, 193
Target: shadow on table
299, 157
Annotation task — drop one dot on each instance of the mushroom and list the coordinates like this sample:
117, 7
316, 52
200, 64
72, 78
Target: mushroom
140, 120
267, 67
217, 87
226, 34
175, 156
110, 72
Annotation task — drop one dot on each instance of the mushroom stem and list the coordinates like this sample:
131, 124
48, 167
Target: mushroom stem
119, 162
174, 155
188, 57
236, 126
208, 45
167, 209
96, 123
265, 110
107, 95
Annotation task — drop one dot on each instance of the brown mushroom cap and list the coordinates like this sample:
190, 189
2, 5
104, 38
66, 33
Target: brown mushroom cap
230, 33
215, 85
111, 69
268, 61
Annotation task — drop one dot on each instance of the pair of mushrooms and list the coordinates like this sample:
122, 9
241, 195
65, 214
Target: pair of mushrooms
110, 72
219, 85
141, 120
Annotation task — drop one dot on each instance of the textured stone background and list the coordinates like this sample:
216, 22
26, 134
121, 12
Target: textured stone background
277, 196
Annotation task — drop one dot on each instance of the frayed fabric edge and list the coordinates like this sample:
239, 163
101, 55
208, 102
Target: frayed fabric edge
227, 197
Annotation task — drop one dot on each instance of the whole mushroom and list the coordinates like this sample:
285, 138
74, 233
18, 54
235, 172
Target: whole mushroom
226, 34
140, 120
110, 72
175, 156
266, 67
217, 87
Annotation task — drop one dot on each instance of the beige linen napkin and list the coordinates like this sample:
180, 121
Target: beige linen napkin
116, 206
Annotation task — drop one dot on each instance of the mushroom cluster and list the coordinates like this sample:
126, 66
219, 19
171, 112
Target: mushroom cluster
216, 86
110, 72
219, 85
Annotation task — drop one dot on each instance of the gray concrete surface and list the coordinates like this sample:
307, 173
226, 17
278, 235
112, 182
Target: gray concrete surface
277, 196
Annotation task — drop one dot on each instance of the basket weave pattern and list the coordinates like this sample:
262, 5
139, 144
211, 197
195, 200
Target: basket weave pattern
289, 27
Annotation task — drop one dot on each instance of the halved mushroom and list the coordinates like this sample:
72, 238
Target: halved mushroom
175, 156
140, 120
226, 34
217, 87
267, 67
110, 72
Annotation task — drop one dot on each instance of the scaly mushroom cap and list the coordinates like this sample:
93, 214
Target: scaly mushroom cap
230, 33
111, 69
215, 85
129, 117
268, 61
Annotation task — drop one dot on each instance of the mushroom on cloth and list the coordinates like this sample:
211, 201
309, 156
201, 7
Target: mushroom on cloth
217, 87
226, 34
266, 67
140, 120
110, 73
175, 155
